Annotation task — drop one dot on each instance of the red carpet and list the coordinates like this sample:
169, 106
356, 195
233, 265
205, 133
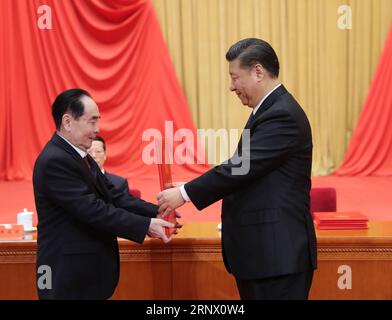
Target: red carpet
369, 195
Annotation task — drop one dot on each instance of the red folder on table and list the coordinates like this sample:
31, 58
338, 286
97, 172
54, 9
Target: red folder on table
165, 179
340, 220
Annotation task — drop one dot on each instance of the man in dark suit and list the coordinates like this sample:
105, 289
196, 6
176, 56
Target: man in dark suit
98, 152
268, 237
80, 213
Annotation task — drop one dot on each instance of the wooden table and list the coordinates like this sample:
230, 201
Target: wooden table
191, 266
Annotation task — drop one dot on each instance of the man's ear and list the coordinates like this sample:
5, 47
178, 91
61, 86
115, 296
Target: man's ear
66, 121
260, 72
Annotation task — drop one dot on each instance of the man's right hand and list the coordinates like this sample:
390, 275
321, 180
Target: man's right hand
156, 229
169, 200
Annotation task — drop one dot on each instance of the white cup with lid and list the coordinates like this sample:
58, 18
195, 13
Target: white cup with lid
25, 218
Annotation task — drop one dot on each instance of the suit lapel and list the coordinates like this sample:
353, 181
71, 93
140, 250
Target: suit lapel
250, 120
255, 119
267, 103
56, 139
101, 182
97, 175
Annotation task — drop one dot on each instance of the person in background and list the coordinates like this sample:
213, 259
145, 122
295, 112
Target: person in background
98, 152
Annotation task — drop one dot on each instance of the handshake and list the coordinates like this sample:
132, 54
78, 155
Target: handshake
168, 201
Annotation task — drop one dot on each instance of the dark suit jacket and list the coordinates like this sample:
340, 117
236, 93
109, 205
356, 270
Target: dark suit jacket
119, 182
267, 229
80, 215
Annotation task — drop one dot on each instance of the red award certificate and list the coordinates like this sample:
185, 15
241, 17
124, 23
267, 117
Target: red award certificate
165, 179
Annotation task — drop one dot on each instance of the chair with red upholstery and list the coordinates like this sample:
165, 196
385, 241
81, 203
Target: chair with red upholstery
322, 200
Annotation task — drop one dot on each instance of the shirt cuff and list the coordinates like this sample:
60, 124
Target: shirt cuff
184, 194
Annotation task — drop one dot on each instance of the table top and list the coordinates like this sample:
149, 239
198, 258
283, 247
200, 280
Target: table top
378, 232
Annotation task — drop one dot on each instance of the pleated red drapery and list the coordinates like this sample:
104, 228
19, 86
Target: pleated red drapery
370, 149
113, 49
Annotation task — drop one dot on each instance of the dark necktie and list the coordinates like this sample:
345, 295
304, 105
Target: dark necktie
85, 159
250, 120
247, 127
90, 167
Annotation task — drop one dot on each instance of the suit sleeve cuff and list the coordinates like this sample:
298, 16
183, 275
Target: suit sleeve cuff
184, 194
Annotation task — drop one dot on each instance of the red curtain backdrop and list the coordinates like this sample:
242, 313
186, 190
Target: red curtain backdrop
113, 49
370, 149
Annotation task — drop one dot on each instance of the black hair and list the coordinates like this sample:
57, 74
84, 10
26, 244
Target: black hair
251, 51
68, 101
98, 138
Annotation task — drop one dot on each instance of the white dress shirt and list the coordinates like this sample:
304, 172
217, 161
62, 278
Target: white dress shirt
80, 151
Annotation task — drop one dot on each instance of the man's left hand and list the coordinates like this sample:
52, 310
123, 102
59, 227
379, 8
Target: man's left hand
178, 225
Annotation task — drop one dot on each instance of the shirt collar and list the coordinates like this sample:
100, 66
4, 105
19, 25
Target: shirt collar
79, 151
265, 97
